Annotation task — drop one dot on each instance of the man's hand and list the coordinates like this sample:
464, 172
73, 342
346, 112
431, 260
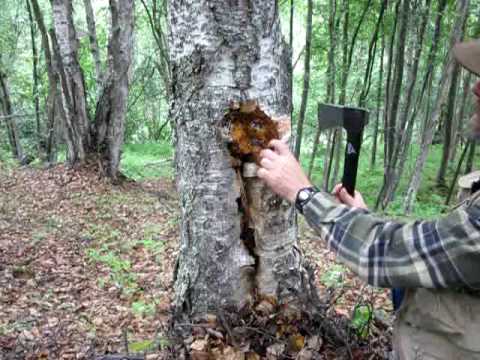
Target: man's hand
344, 197
281, 171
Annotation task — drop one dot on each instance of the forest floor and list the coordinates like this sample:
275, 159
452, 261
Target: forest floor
86, 267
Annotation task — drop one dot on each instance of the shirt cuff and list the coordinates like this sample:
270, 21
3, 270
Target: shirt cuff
321, 206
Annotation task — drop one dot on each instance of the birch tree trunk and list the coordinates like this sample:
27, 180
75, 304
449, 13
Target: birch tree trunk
427, 138
77, 135
223, 51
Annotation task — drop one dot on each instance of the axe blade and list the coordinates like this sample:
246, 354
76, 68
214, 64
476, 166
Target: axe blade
330, 116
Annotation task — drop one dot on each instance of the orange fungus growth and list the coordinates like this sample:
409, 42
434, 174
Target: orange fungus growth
251, 130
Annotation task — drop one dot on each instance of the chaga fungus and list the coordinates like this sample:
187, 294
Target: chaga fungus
251, 130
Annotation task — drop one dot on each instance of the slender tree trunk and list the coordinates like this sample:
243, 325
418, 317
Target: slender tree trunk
156, 15
462, 11
35, 93
397, 80
53, 81
218, 265
371, 56
112, 106
306, 80
467, 79
337, 142
331, 78
448, 127
405, 128
92, 35
379, 105
9, 119
73, 88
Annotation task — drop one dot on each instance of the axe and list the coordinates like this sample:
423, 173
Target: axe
353, 120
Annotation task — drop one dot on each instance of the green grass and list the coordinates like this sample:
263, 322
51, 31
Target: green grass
147, 161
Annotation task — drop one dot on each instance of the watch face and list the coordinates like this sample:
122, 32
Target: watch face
303, 195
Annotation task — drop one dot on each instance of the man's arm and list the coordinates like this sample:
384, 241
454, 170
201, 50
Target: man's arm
432, 254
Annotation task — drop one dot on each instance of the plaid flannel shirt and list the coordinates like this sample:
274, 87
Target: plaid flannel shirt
444, 253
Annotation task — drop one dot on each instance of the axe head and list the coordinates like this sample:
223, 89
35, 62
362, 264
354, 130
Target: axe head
353, 120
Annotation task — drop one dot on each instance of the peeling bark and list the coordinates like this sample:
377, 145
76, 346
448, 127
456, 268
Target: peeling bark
223, 51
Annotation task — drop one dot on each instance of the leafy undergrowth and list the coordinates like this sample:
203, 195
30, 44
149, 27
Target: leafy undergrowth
86, 269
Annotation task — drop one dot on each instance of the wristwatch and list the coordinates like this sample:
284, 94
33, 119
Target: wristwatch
304, 196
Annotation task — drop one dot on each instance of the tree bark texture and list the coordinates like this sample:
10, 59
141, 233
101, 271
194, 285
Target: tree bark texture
223, 52
430, 125
112, 105
77, 135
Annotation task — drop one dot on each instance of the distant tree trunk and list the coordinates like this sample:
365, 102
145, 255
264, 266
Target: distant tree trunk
112, 106
337, 139
9, 119
92, 36
156, 15
53, 81
379, 105
388, 90
218, 266
462, 11
462, 109
372, 49
397, 80
306, 80
405, 128
35, 93
77, 134
331, 78
448, 127
104, 138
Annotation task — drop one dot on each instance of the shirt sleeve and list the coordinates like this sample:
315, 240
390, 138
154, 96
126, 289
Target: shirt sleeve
430, 254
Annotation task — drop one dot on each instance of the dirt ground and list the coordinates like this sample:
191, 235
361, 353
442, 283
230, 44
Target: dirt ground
86, 267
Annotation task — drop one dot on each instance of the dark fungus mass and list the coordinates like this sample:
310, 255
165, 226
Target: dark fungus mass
250, 130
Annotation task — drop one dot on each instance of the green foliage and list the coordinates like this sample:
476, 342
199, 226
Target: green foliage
361, 319
119, 270
333, 278
141, 308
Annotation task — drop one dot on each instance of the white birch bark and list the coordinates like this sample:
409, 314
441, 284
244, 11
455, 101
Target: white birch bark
223, 51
